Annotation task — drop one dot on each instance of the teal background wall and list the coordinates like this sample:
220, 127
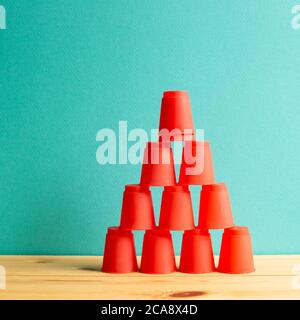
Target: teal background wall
70, 68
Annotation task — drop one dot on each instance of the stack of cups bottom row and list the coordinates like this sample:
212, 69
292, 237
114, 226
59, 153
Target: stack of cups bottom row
196, 252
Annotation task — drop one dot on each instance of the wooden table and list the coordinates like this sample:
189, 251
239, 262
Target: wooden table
54, 277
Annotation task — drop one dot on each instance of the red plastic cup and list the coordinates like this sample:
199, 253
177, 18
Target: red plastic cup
137, 208
197, 165
176, 116
119, 253
236, 251
158, 165
176, 211
215, 208
196, 252
158, 252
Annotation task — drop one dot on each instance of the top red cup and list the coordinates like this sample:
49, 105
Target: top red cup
176, 120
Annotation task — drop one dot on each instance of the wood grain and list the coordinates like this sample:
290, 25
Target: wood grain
56, 277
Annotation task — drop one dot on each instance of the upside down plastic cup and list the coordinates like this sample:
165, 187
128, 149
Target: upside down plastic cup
176, 116
158, 252
196, 252
119, 253
137, 208
215, 208
196, 165
236, 251
158, 165
176, 211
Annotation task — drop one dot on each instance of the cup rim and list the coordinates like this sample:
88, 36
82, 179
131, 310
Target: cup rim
158, 232
115, 230
237, 230
197, 231
218, 186
177, 188
175, 94
136, 188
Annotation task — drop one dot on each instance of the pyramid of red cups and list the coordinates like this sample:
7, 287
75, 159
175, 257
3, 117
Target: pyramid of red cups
176, 211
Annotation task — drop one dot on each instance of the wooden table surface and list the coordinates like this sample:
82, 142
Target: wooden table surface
55, 277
